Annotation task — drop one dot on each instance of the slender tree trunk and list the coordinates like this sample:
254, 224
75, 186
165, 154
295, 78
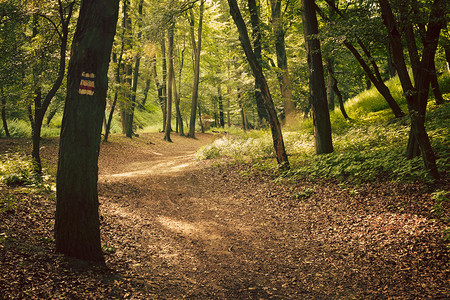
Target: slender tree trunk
330, 83
256, 36
160, 90
277, 136
435, 85
145, 92
118, 82
77, 226
40, 107
170, 78
180, 128
374, 76
4, 121
164, 80
336, 90
221, 113
280, 47
379, 85
128, 70
321, 116
137, 63
417, 96
196, 49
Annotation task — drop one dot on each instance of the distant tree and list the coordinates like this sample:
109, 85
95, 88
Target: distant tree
321, 115
279, 32
77, 231
196, 49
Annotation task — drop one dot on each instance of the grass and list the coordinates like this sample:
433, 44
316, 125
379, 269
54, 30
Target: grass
369, 147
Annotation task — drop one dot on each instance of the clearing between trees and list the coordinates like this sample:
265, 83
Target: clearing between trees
174, 227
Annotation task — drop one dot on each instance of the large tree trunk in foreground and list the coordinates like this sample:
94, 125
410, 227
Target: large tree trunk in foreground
277, 137
77, 231
321, 115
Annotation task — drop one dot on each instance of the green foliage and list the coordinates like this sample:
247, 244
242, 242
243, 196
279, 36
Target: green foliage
8, 204
439, 198
17, 128
367, 149
18, 170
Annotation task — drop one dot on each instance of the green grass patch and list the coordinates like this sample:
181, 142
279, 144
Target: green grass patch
369, 147
17, 170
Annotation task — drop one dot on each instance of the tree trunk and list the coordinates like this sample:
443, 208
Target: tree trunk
40, 107
280, 49
196, 47
336, 90
277, 136
77, 231
330, 83
160, 90
379, 84
130, 132
128, 71
118, 81
417, 96
221, 113
164, 80
180, 128
256, 36
4, 121
321, 115
170, 78
435, 85
145, 92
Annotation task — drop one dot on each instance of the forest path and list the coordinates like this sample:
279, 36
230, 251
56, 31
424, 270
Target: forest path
184, 229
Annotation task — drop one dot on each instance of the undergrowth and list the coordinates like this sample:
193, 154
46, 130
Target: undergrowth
369, 148
17, 170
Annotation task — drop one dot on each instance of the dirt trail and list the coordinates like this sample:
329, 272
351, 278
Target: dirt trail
191, 231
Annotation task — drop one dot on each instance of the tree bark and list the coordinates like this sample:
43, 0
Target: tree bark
40, 107
4, 121
160, 90
256, 36
77, 231
330, 83
336, 90
170, 79
196, 48
375, 76
280, 49
417, 95
277, 136
134, 85
321, 115
118, 82
221, 112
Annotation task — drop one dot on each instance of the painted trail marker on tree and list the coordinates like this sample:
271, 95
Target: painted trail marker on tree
87, 84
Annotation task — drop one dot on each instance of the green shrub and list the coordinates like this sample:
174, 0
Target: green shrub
18, 170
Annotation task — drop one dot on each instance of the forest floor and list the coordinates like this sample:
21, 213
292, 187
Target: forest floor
173, 228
